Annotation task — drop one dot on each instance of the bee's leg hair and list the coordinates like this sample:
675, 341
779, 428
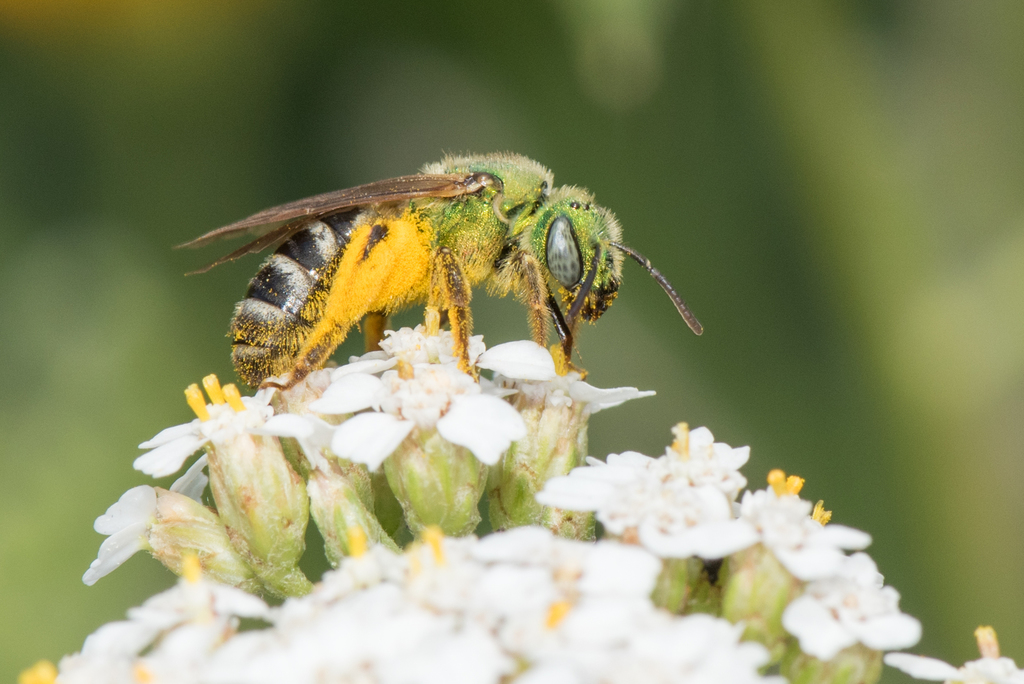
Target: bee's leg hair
449, 290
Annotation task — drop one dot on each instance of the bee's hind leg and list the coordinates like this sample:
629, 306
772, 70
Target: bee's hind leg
449, 291
374, 325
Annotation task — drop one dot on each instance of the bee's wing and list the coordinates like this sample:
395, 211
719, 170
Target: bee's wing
296, 213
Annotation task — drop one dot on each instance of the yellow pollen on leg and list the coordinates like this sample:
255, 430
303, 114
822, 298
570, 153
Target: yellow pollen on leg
356, 541
820, 515
196, 402
212, 386
433, 535
988, 644
561, 363
233, 397
43, 672
556, 613
191, 568
681, 444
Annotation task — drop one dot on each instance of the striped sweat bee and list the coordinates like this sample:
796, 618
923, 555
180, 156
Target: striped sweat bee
362, 253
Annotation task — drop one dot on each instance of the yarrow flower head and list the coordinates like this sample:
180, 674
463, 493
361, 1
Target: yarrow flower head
851, 607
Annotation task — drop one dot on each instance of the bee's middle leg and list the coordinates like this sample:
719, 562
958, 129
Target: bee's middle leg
374, 325
315, 351
450, 291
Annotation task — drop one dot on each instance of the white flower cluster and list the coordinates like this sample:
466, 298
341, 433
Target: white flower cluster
682, 505
520, 606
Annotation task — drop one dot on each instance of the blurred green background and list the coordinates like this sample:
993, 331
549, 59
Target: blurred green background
835, 187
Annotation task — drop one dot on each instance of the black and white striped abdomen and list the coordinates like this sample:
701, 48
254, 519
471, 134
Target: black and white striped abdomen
285, 298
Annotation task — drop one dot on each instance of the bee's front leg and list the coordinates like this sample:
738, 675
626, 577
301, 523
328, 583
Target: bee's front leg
450, 291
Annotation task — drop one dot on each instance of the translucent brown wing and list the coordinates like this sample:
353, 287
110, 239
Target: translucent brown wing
296, 213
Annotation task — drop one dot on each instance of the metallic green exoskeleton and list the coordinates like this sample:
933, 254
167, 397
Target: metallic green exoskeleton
429, 238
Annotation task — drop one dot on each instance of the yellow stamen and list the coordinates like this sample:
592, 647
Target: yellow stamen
233, 398
794, 484
142, 674
561, 363
819, 514
988, 644
212, 386
356, 541
557, 613
196, 402
433, 535
43, 672
405, 370
191, 568
681, 445
777, 480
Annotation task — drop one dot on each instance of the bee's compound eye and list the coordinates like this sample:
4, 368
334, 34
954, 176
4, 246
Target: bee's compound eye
563, 253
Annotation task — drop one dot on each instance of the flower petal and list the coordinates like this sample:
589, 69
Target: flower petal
193, 482
485, 425
167, 459
842, 537
819, 634
891, 631
575, 493
170, 434
115, 550
598, 398
520, 360
370, 437
349, 394
136, 505
920, 667
363, 365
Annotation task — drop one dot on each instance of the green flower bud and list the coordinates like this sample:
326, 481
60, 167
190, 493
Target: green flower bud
857, 664
264, 506
437, 483
340, 499
757, 592
691, 585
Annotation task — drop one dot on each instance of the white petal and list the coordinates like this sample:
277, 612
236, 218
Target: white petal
115, 550
194, 481
364, 365
920, 667
819, 634
170, 434
811, 563
515, 545
232, 601
620, 569
483, 424
888, 632
349, 394
136, 505
842, 537
167, 459
286, 425
521, 360
575, 493
370, 437
711, 540
598, 399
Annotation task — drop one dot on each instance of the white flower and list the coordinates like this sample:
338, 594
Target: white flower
413, 346
311, 432
172, 446
806, 548
655, 500
126, 524
981, 671
435, 396
851, 607
703, 461
528, 368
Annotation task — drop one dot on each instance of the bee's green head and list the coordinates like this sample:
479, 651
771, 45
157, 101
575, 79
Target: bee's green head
572, 238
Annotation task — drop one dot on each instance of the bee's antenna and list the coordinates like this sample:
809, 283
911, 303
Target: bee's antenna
681, 307
588, 282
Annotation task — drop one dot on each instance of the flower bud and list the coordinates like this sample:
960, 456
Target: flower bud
436, 482
690, 585
340, 499
264, 506
857, 664
757, 592
185, 527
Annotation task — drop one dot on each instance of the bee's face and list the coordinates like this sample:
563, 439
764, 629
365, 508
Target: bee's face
571, 239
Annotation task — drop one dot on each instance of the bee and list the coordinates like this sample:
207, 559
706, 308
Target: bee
363, 253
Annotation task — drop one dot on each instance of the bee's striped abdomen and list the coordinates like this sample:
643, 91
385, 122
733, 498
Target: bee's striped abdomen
285, 298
